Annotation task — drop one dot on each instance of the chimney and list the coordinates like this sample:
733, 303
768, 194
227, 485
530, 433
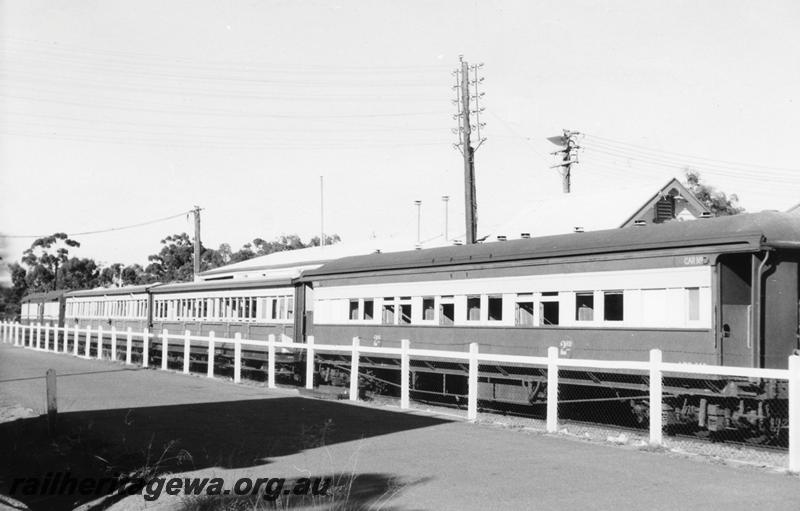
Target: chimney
578, 229
525, 235
502, 237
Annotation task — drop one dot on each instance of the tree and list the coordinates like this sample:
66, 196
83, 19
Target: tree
329, 240
716, 201
175, 261
44, 257
80, 273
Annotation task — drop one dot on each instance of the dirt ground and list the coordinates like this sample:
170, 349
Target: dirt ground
116, 420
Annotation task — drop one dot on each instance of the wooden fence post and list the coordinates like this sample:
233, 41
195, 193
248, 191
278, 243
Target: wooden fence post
271, 361
128, 346
114, 343
552, 389
310, 362
52, 402
656, 422
186, 350
354, 370
211, 352
405, 369
88, 348
75, 340
794, 414
237, 357
164, 349
99, 342
145, 347
472, 385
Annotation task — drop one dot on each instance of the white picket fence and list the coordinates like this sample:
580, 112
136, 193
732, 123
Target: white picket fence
38, 336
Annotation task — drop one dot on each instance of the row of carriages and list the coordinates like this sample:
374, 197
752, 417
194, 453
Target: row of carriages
722, 291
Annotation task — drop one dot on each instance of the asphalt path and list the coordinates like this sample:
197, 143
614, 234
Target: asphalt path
386, 458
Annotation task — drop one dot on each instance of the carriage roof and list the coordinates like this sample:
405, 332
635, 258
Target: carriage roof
745, 232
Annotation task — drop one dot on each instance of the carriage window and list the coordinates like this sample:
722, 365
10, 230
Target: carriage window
353, 309
549, 313
693, 302
473, 308
447, 312
613, 300
525, 313
253, 304
427, 309
584, 306
495, 308
369, 309
388, 314
290, 307
405, 314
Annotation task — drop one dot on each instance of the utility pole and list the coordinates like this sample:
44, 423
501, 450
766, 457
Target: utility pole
445, 198
464, 99
321, 215
418, 204
569, 148
196, 212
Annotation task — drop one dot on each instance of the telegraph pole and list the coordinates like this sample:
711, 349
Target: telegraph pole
464, 98
569, 152
196, 212
321, 214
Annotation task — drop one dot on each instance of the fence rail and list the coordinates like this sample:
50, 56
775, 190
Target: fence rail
38, 337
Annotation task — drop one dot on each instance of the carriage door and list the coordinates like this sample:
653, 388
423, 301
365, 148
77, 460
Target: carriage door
735, 303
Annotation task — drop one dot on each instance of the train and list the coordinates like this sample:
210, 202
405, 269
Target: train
719, 291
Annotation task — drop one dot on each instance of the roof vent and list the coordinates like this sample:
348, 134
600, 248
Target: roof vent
417, 247
578, 229
640, 223
706, 214
502, 237
525, 235
458, 242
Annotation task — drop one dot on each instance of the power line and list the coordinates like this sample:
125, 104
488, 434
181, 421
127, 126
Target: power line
86, 233
683, 164
611, 143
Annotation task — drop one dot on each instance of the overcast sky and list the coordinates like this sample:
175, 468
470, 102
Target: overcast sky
115, 113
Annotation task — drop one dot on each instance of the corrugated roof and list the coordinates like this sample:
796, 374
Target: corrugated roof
749, 230
42, 296
186, 287
293, 262
591, 210
111, 291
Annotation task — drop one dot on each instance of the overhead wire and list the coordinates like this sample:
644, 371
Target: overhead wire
644, 149
101, 231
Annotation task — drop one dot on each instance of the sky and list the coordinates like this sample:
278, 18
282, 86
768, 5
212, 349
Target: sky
117, 113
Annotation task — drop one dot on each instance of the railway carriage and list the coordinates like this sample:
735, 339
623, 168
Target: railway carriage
255, 309
43, 308
718, 291
121, 307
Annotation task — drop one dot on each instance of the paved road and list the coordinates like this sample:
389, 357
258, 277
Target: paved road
399, 460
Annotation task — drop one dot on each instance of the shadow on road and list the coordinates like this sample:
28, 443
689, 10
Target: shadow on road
145, 442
